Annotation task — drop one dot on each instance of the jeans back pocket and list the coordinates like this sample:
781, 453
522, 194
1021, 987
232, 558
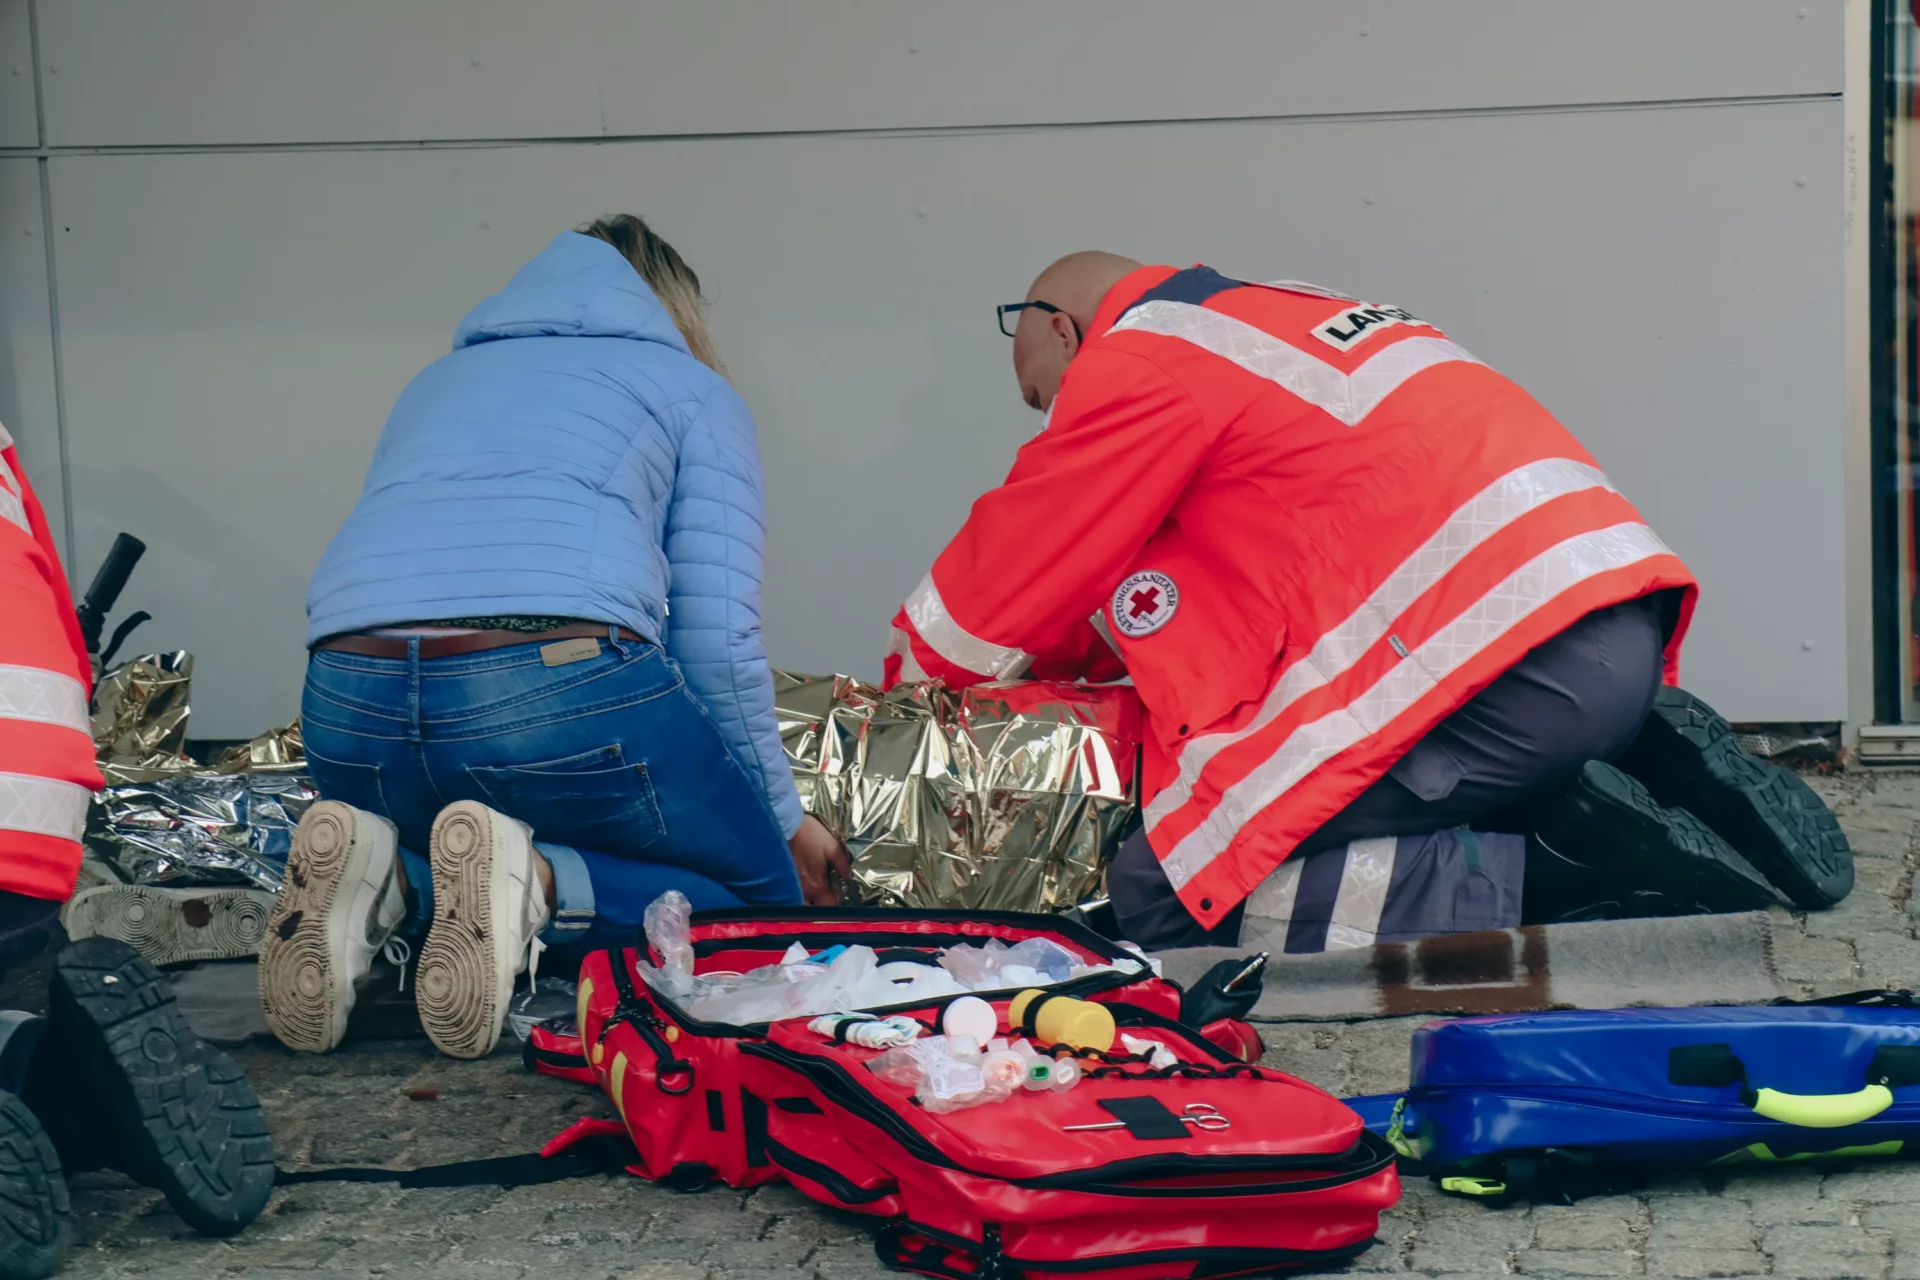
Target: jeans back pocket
351, 782
597, 800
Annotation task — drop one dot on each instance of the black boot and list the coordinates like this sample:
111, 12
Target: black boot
1601, 848
121, 1082
1688, 759
34, 1209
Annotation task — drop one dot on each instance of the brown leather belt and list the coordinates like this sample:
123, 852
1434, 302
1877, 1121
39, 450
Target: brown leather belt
471, 642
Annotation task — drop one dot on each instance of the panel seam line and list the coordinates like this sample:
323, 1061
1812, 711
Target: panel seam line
44, 153
915, 131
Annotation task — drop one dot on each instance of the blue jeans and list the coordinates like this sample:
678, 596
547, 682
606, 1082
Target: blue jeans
614, 764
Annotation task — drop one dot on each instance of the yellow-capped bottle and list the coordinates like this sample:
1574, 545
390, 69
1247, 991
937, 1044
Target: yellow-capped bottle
1055, 1019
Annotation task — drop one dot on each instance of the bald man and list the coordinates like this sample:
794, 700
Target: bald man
1372, 596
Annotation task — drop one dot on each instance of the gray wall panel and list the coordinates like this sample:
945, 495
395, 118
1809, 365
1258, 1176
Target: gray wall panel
27, 396
1656, 277
265, 71
19, 123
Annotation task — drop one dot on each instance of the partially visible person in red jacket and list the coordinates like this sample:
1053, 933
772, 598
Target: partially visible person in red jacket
112, 1077
47, 770
1373, 597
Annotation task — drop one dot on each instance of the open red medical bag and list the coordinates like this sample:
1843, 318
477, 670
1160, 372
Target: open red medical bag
1000, 1190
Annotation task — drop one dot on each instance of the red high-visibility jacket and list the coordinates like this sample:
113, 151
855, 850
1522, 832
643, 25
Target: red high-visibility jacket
1311, 527
47, 770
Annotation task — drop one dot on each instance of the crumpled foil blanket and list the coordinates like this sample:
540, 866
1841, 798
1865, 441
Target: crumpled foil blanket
1005, 797
999, 797
163, 818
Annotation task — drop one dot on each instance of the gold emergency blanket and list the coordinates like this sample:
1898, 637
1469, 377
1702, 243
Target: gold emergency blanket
165, 819
1004, 797
275, 751
140, 716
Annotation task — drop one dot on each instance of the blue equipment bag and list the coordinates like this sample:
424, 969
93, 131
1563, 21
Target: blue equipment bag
1546, 1106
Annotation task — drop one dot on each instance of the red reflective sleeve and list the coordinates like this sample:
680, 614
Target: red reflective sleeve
13, 478
1039, 555
46, 741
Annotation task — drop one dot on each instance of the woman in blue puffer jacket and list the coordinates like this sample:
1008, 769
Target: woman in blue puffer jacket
536, 658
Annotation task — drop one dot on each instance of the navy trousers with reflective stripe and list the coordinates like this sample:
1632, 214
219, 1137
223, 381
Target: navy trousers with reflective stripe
1581, 696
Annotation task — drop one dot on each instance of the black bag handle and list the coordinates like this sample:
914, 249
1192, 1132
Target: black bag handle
1878, 998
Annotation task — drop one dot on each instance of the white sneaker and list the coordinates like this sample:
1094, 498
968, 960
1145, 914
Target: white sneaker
339, 906
171, 926
488, 910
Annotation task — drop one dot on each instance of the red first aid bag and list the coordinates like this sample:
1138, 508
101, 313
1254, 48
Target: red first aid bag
676, 1080
1232, 1170
1253, 1171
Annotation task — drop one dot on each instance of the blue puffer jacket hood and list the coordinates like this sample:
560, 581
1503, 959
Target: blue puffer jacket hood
578, 288
571, 459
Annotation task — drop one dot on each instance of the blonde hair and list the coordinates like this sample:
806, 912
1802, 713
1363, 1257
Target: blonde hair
668, 275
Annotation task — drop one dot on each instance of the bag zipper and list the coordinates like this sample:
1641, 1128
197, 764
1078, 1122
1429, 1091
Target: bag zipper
1256, 1260
630, 1010
839, 1083
843, 1188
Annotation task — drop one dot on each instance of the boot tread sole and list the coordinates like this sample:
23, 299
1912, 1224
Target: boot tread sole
183, 1109
1687, 756
1610, 813
36, 1227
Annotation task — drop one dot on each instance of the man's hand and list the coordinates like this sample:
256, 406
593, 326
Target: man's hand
817, 850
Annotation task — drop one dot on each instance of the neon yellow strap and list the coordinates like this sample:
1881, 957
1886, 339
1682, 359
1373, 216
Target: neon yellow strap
1397, 1132
1761, 1153
616, 1083
1473, 1186
1823, 1111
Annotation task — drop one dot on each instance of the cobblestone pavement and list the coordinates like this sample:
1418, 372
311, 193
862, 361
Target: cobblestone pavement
359, 1107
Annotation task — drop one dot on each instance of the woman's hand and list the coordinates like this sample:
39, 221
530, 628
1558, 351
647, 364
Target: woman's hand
817, 850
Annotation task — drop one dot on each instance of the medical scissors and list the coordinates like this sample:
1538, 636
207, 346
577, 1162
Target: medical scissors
1201, 1115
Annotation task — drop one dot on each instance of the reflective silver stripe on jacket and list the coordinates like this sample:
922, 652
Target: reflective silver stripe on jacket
43, 806
1347, 397
1520, 491
1477, 628
928, 613
47, 697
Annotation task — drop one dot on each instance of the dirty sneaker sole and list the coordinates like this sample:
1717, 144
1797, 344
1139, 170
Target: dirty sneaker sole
1644, 859
172, 926
1687, 757
466, 969
35, 1212
339, 865
162, 1105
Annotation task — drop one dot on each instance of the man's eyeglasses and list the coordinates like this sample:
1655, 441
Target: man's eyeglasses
1009, 313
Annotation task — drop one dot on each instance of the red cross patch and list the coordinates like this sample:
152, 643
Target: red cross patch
1144, 603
